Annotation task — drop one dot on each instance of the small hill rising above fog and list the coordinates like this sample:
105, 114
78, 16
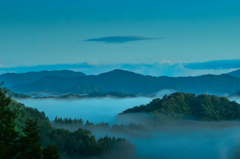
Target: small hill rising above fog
179, 105
12, 79
133, 83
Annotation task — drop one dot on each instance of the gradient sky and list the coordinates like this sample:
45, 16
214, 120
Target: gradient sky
43, 32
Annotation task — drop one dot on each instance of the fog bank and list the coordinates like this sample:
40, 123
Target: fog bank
95, 110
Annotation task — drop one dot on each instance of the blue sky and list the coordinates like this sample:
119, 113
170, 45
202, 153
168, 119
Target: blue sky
106, 32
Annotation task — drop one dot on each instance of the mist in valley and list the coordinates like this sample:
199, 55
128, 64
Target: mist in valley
95, 110
169, 139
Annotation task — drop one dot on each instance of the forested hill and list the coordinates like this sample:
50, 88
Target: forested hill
201, 107
129, 82
235, 73
12, 79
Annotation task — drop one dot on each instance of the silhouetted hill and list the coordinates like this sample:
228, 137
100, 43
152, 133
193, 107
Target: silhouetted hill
235, 73
181, 105
133, 83
12, 79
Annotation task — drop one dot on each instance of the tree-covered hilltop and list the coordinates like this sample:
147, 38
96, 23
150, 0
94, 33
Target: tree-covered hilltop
201, 107
32, 136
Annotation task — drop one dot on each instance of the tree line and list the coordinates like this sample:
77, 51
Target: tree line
74, 124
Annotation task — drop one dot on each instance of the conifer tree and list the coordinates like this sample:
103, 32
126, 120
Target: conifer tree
31, 147
24, 145
8, 135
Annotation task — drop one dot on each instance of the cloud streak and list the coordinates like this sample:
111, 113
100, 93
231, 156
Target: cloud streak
215, 65
120, 39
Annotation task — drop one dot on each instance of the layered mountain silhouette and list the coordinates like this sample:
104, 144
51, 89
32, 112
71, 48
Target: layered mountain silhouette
11, 79
132, 83
235, 73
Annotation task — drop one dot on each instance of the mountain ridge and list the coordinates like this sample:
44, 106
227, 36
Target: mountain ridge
12, 79
133, 83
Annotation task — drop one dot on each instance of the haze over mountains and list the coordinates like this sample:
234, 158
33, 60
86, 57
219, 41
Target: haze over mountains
69, 82
11, 79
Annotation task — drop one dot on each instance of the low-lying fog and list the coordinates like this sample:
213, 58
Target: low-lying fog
95, 110
200, 142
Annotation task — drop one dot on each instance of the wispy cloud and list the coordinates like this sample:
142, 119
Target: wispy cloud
120, 39
215, 65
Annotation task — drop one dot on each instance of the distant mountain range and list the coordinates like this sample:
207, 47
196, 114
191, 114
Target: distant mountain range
124, 82
92, 95
12, 79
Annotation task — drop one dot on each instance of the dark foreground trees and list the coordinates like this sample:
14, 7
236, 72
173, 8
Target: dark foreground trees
20, 145
9, 138
31, 147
